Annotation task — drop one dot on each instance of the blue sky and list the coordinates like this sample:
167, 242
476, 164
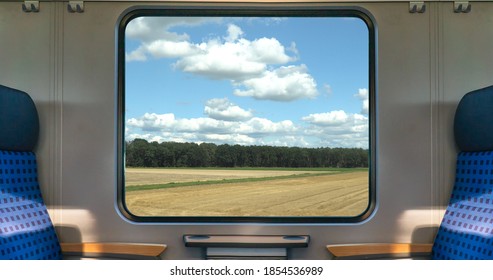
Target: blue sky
248, 81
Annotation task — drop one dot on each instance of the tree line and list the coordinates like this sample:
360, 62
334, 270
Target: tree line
141, 153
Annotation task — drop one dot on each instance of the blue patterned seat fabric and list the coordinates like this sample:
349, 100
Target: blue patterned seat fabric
26, 230
467, 228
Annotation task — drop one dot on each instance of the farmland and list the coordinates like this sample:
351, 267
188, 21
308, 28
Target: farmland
246, 192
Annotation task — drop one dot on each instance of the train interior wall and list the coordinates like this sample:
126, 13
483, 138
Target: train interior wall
425, 63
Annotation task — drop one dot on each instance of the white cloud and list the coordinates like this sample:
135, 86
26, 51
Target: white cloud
286, 83
266, 50
257, 126
223, 109
327, 119
233, 60
234, 32
246, 63
149, 137
148, 29
163, 48
363, 95
157, 40
152, 121
218, 61
338, 129
365, 108
229, 138
167, 123
290, 141
331, 129
137, 55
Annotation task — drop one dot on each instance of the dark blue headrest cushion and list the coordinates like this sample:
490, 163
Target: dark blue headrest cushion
19, 123
473, 125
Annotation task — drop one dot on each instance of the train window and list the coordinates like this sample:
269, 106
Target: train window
246, 115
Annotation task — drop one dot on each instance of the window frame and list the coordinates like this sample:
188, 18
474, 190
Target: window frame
246, 10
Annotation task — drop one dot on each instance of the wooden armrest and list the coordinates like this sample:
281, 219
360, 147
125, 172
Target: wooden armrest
118, 249
361, 250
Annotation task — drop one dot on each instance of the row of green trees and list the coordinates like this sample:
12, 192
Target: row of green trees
141, 153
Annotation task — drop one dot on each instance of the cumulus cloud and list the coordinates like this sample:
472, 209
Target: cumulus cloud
156, 38
236, 59
137, 55
214, 55
327, 119
258, 126
215, 60
266, 50
338, 129
254, 127
363, 95
223, 109
148, 29
166, 127
163, 48
250, 65
331, 129
286, 83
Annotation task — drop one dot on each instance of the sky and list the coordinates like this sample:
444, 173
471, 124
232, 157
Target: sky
251, 81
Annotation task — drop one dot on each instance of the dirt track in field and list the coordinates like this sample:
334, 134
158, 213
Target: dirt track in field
343, 194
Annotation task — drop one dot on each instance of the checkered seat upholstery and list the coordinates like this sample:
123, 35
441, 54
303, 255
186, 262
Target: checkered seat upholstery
466, 231
26, 231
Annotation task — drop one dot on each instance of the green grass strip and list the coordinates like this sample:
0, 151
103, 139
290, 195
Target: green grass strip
240, 180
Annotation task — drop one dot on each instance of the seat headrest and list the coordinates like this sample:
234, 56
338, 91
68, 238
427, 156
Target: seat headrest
19, 123
473, 124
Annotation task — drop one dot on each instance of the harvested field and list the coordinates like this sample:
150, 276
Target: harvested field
336, 194
149, 176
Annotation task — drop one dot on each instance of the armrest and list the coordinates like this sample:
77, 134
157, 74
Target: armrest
380, 250
113, 250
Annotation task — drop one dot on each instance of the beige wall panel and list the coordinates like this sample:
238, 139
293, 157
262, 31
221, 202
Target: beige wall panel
27, 63
467, 65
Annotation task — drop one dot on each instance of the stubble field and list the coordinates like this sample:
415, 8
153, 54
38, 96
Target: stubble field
238, 192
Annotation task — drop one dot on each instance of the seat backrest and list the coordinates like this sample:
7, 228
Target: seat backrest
466, 231
26, 230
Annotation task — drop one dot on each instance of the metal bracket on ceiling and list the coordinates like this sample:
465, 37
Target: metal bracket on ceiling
462, 7
417, 7
75, 6
30, 6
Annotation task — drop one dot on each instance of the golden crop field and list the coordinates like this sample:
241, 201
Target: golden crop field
326, 194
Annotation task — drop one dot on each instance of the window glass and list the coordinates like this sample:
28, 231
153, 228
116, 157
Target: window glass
249, 116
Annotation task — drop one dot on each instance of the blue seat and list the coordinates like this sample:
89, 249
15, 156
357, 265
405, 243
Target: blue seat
466, 231
26, 230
